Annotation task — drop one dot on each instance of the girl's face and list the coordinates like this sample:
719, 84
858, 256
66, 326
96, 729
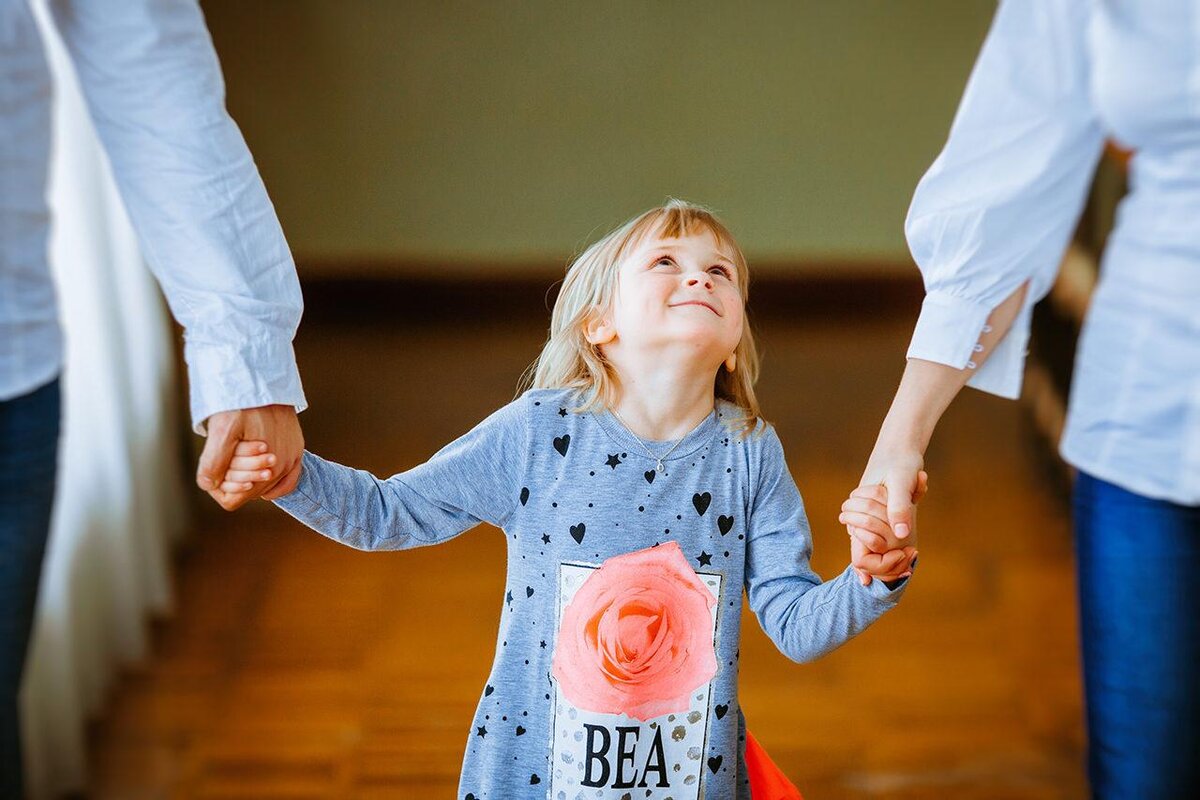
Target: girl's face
676, 293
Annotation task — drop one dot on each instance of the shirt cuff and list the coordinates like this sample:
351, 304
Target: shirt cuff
299, 501
948, 330
230, 377
878, 591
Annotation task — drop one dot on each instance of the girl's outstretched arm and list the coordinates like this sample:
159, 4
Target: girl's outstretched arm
474, 479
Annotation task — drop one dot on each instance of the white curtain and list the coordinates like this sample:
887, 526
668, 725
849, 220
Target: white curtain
119, 500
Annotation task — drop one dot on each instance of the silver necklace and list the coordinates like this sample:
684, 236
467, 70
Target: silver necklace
658, 460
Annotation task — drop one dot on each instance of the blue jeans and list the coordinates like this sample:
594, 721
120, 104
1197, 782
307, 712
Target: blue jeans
29, 428
1139, 603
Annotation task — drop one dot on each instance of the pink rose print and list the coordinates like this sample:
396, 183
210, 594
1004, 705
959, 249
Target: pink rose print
636, 639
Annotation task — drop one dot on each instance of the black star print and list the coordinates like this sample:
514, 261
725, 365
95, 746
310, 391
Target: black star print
613, 460
481, 731
508, 597
705, 559
562, 412
546, 538
543, 643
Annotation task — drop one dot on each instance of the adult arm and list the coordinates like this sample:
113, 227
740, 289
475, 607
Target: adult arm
153, 86
988, 225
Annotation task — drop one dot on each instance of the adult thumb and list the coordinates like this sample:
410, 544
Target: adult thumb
900, 506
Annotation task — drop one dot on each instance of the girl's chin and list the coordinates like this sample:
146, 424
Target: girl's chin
697, 351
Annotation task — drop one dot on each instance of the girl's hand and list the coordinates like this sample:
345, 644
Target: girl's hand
876, 549
251, 464
890, 566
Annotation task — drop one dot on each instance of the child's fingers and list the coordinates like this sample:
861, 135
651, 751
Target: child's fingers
235, 487
889, 561
245, 475
253, 462
866, 522
868, 562
903, 569
249, 447
872, 541
871, 508
895, 575
887, 566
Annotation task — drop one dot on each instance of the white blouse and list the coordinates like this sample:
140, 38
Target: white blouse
204, 222
997, 207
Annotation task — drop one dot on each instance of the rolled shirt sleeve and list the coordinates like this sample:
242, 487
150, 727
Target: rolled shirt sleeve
998, 205
153, 85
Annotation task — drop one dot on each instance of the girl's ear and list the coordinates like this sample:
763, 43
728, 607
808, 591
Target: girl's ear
731, 362
598, 329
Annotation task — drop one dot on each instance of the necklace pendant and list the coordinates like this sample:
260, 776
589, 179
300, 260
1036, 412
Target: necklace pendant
659, 466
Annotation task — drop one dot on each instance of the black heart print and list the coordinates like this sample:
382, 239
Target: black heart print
529, 591
714, 763
721, 711
701, 501
577, 532
649, 474
534, 779
488, 690
724, 524
561, 443
520, 731
524, 495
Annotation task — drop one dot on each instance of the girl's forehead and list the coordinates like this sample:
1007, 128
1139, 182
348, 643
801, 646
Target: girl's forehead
703, 237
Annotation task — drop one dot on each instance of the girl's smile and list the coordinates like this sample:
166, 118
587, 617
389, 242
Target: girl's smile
697, 303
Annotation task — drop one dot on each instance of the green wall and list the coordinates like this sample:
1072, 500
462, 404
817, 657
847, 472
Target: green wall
481, 135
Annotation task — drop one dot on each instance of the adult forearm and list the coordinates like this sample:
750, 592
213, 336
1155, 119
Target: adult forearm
927, 387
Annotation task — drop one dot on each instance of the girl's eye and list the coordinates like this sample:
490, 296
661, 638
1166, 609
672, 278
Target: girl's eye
720, 268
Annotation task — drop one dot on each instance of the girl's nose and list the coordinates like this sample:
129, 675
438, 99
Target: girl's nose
704, 281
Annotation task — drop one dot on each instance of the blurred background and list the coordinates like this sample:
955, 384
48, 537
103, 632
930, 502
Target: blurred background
435, 166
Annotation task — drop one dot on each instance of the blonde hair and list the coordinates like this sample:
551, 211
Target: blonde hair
568, 360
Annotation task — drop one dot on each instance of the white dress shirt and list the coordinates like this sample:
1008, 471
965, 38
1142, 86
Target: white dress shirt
207, 229
997, 207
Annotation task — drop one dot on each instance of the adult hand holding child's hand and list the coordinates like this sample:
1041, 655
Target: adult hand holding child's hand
275, 425
880, 515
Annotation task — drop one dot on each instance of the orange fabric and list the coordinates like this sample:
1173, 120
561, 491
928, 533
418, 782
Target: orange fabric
767, 781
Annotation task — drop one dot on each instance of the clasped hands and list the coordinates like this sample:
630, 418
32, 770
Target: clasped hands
880, 516
249, 453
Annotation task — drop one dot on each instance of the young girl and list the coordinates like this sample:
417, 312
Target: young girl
639, 491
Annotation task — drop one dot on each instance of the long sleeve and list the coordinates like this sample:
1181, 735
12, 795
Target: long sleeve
476, 478
999, 203
154, 89
804, 617
30, 336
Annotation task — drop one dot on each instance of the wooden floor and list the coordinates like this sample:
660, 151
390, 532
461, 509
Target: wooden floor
298, 668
